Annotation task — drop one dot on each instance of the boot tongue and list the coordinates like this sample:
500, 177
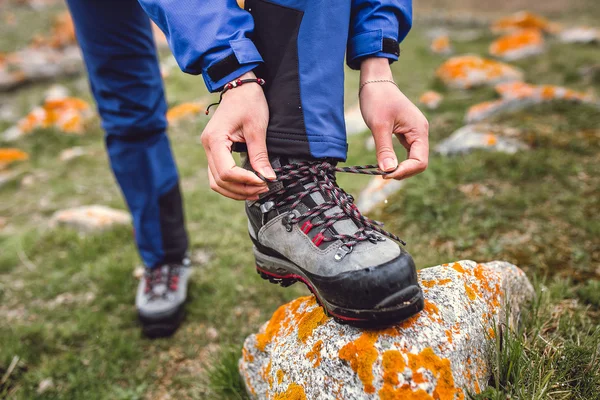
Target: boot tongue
345, 226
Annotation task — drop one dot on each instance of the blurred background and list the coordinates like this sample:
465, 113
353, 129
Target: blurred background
511, 92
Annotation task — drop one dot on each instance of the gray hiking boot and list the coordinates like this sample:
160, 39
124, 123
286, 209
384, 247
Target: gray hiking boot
308, 229
160, 298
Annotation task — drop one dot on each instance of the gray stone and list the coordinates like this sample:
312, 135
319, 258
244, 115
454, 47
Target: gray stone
90, 218
355, 123
473, 137
377, 192
441, 353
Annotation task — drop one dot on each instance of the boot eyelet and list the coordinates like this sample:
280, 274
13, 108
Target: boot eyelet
342, 252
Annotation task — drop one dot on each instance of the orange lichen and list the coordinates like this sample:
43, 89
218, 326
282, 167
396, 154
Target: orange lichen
431, 99
362, 354
470, 292
282, 318
440, 368
468, 70
10, 155
418, 377
524, 20
515, 41
293, 392
309, 322
280, 376
68, 114
247, 356
449, 335
441, 45
393, 363
457, 267
492, 333
184, 110
491, 139
403, 392
315, 354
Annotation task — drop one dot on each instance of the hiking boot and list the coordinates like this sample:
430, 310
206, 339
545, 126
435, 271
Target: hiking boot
308, 229
160, 299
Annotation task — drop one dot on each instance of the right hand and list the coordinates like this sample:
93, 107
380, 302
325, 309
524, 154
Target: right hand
242, 116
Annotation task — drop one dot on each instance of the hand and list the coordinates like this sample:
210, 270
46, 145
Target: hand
242, 116
386, 111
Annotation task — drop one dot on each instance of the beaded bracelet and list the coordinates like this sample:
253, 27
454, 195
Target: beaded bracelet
234, 84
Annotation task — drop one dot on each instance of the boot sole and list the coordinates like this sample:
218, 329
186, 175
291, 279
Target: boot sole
164, 327
406, 302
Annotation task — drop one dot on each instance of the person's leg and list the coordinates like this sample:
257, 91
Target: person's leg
306, 228
119, 51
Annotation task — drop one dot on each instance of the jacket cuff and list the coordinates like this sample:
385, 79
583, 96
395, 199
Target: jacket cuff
371, 44
243, 57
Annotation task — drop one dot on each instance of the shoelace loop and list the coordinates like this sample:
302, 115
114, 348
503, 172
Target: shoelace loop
320, 177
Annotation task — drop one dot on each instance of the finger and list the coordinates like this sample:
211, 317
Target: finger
227, 193
257, 153
418, 158
225, 169
386, 157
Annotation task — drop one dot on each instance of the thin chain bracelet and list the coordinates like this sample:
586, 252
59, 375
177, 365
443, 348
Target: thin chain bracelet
376, 81
234, 84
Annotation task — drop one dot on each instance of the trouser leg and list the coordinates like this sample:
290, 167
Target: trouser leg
119, 52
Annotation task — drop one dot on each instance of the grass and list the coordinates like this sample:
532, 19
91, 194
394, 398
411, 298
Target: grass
66, 300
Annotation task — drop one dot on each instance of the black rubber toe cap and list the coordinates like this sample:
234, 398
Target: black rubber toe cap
371, 288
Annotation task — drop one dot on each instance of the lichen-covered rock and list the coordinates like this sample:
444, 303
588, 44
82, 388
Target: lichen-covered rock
524, 20
185, 111
580, 34
468, 71
431, 99
519, 95
90, 218
440, 354
519, 44
67, 114
377, 192
472, 137
441, 45
355, 123
11, 155
71, 153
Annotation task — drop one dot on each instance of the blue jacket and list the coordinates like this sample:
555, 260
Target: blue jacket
297, 46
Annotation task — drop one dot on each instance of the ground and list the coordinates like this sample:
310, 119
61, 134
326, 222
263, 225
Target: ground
68, 326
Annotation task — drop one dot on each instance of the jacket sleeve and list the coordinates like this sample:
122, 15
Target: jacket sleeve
376, 29
211, 38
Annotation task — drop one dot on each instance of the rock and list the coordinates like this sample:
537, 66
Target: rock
519, 95
377, 192
472, 137
581, 34
441, 45
370, 143
468, 71
185, 111
9, 156
45, 385
355, 123
524, 20
519, 44
442, 353
68, 114
431, 99
212, 334
91, 218
72, 153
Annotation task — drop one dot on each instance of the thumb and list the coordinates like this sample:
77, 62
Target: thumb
386, 157
259, 158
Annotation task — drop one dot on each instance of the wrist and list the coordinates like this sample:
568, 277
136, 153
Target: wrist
375, 68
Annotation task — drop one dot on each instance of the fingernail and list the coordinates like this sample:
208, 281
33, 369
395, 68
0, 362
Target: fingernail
268, 173
389, 164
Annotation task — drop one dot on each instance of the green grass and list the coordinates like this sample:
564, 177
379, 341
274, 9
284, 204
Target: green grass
539, 211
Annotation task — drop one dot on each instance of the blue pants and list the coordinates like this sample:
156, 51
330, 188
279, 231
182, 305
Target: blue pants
119, 52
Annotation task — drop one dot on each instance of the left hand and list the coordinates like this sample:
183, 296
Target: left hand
386, 111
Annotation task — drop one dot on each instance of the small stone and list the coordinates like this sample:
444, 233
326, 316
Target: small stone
441, 45
582, 34
45, 385
355, 123
472, 137
212, 334
431, 99
467, 71
138, 272
445, 351
28, 180
72, 153
518, 45
377, 192
524, 20
91, 218
200, 257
